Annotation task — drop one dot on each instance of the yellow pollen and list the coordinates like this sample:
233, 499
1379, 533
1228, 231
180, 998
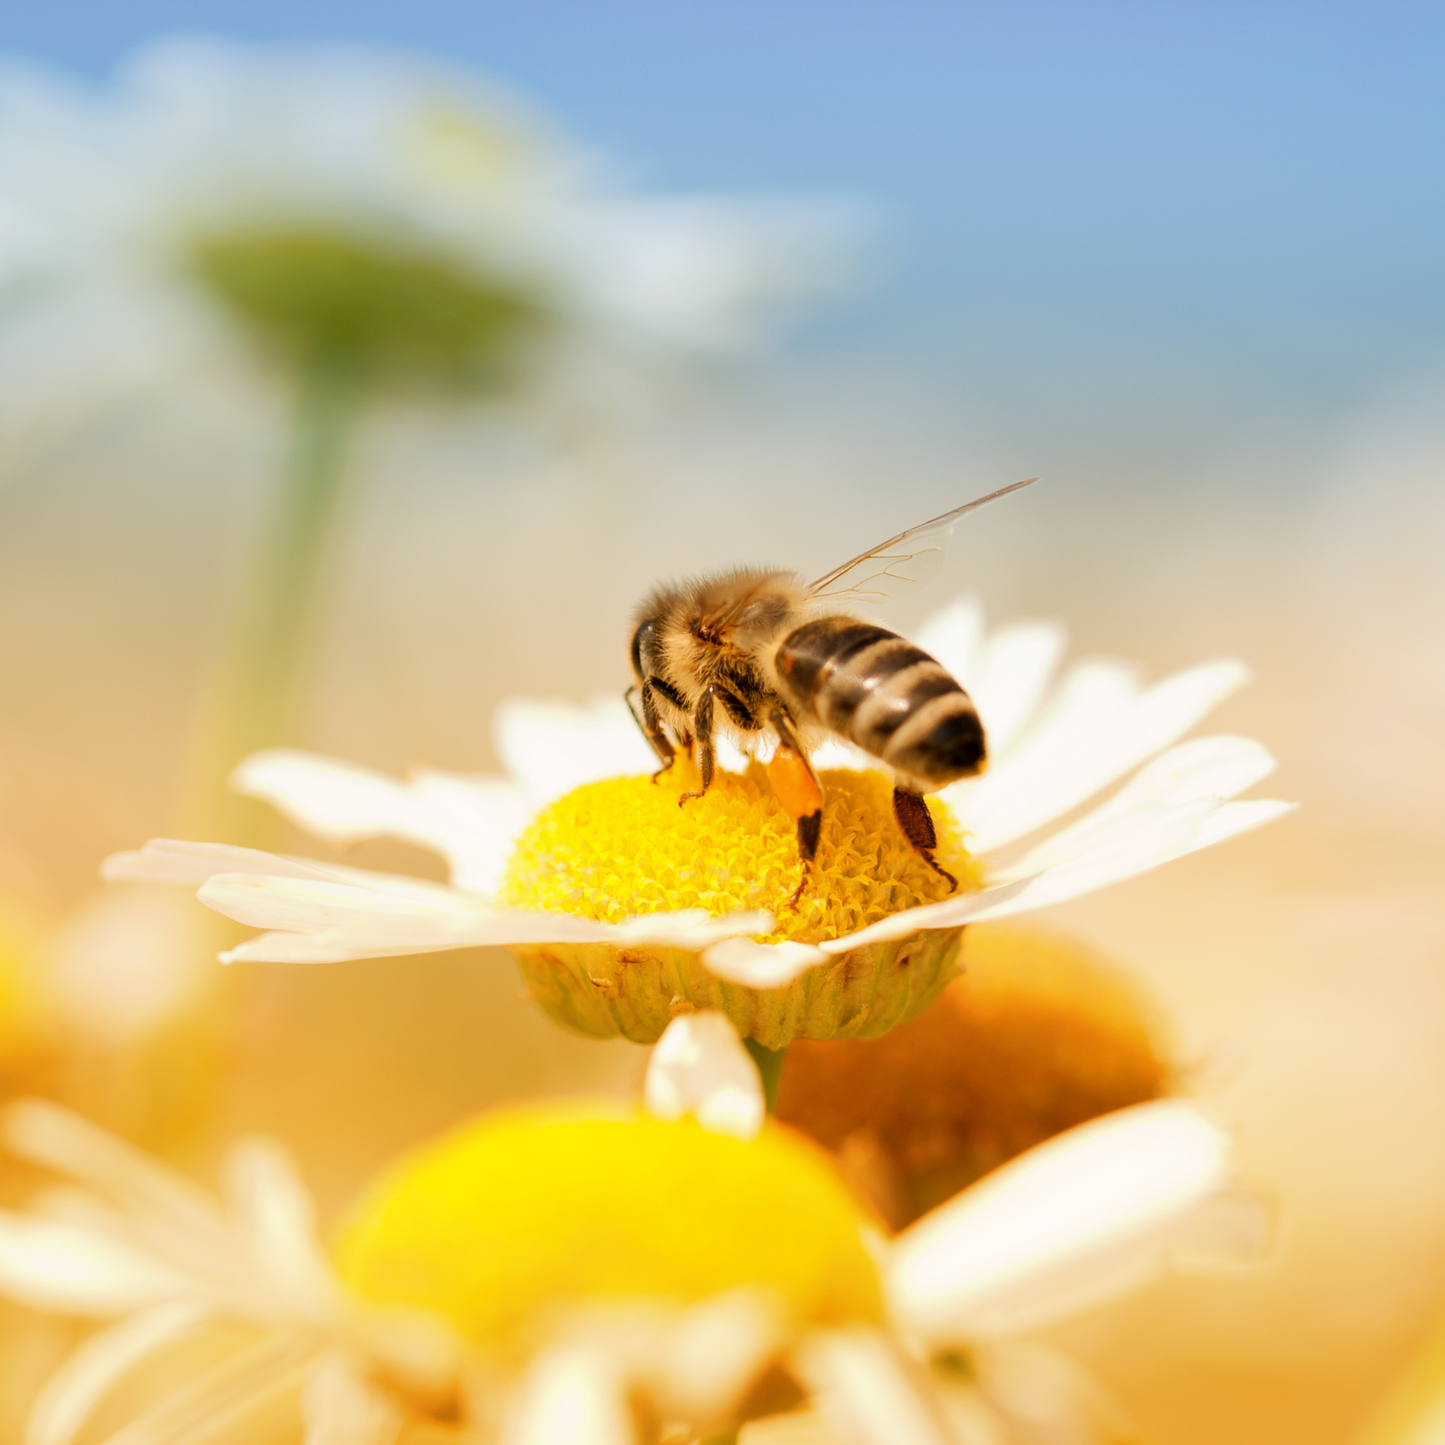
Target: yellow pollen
524, 1212
616, 849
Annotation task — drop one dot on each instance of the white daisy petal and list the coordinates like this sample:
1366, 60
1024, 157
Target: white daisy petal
222, 1396
867, 1392
1129, 846
553, 747
376, 916
74, 1271
471, 822
692, 928
340, 1406
173, 860
94, 1367
954, 635
1099, 728
1010, 676
44, 1133
1205, 769
1046, 1396
1076, 1221
699, 1066
762, 965
797, 1427
570, 1394
274, 1214
714, 1351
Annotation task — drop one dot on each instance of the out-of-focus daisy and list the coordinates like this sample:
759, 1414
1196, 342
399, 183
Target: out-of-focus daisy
593, 1273
624, 909
400, 209
364, 220
1038, 1035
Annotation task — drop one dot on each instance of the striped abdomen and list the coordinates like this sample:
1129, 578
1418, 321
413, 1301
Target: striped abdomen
885, 695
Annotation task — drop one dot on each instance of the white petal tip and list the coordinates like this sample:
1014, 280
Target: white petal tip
700, 1066
761, 965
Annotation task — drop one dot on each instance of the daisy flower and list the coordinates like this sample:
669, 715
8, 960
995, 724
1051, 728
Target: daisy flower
624, 910
396, 207
600, 1274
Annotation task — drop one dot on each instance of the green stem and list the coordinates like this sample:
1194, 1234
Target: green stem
257, 700
770, 1066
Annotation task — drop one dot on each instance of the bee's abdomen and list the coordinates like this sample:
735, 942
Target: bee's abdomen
885, 695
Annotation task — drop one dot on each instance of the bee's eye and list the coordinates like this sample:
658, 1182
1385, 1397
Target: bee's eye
640, 639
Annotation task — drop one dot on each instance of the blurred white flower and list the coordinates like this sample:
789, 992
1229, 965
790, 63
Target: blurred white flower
125, 963
1074, 1222
1054, 748
206, 169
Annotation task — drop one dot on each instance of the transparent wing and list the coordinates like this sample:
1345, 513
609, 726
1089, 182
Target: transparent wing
904, 562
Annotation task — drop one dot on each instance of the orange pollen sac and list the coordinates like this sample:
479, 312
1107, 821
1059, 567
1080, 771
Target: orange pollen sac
793, 783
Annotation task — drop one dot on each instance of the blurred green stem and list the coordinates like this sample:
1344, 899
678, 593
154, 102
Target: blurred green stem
770, 1067
260, 688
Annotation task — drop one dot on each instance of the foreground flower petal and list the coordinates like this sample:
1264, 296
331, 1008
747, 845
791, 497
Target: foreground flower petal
1074, 1222
274, 1213
471, 822
1132, 844
83, 1381
1206, 770
699, 1066
761, 965
328, 915
341, 1407
1009, 677
571, 1394
1045, 1395
1099, 728
552, 747
867, 1392
73, 1271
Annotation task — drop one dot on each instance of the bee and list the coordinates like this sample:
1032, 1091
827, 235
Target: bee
759, 651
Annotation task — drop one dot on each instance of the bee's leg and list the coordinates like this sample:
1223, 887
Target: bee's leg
706, 756
795, 786
650, 726
917, 824
651, 722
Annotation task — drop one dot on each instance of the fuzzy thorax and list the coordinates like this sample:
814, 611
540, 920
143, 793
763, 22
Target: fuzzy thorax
624, 847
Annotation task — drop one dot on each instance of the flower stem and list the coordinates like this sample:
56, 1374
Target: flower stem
257, 700
770, 1067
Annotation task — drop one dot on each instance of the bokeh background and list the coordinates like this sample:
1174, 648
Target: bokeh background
1184, 260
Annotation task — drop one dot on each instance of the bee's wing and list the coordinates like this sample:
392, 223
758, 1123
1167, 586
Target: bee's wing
903, 562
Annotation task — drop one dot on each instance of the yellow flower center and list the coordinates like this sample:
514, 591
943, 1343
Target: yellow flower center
527, 1211
624, 847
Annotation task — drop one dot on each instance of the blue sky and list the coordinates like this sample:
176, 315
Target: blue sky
1247, 200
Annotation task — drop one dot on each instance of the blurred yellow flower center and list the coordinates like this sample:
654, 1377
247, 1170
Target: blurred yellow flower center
524, 1212
624, 847
1038, 1035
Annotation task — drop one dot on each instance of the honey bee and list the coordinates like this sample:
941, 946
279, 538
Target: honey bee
759, 651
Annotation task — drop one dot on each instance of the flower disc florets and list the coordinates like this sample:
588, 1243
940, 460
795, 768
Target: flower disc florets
624, 848
525, 1214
